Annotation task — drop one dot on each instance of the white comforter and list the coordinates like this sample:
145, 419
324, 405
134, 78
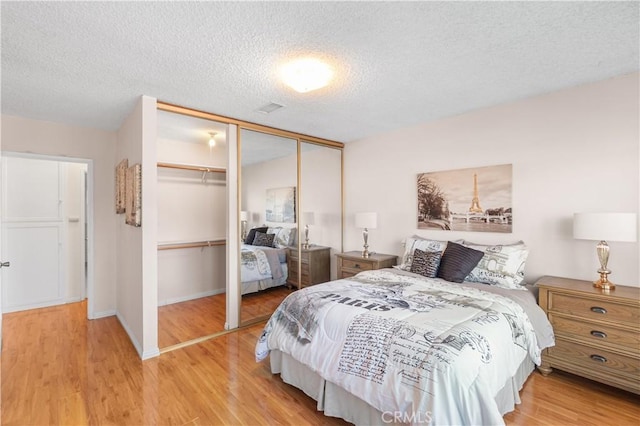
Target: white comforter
423, 350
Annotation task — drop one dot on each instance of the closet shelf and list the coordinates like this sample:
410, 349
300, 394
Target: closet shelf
192, 244
206, 169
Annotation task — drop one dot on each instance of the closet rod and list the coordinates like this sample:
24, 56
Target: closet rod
171, 246
190, 167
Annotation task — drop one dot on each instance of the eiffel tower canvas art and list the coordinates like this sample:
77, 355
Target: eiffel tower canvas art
475, 199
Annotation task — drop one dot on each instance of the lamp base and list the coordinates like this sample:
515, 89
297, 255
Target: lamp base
604, 282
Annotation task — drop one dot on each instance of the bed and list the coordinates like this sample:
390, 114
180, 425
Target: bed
391, 346
262, 268
263, 258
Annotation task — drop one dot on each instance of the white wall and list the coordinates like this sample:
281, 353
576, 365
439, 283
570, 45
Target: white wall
40, 137
137, 300
575, 150
257, 178
191, 209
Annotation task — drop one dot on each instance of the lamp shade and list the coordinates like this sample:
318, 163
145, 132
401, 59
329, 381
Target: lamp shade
605, 226
367, 220
244, 215
308, 218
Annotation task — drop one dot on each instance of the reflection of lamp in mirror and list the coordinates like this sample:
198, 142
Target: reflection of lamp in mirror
308, 219
244, 216
601, 227
367, 221
212, 139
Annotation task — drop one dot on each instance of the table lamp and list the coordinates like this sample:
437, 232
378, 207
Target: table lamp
602, 227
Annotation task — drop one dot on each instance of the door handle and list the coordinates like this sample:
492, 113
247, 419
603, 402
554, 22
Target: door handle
5, 264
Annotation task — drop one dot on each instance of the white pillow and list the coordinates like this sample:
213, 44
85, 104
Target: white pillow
284, 236
501, 266
415, 242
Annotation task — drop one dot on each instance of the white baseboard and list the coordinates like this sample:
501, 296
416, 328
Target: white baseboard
151, 354
17, 308
132, 337
191, 297
104, 314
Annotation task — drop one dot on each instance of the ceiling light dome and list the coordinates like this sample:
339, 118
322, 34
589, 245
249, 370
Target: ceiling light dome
306, 74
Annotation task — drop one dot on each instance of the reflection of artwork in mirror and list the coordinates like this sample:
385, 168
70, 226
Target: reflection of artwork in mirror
121, 172
281, 205
134, 196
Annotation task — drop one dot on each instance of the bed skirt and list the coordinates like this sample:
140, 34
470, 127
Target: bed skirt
337, 402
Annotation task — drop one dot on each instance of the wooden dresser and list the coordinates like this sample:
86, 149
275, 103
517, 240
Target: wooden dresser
352, 262
597, 333
315, 266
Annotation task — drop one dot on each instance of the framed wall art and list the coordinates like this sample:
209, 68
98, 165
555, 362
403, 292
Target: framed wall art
133, 209
121, 181
281, 205
476, 199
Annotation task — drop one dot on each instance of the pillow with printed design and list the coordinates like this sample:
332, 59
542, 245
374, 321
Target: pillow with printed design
502, 265
284, 237
416, 242
262, 239
252, 234
426, 263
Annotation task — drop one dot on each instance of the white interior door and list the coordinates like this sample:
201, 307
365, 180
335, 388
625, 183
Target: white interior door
34, 233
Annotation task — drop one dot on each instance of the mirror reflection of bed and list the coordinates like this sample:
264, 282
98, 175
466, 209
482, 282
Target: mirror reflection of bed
192, 209
268, 181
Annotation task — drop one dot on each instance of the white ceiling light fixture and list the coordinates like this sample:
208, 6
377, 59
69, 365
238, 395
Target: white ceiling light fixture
306, 74
212, 140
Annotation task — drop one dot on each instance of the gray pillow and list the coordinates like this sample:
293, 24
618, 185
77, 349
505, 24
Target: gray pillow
426, 263
457, 262
252, 234
262, 239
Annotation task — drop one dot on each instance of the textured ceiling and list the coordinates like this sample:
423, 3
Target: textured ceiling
398, 63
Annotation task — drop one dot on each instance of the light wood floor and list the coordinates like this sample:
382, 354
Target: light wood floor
184, 321
58, 368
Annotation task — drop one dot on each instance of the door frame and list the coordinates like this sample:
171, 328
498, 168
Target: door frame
89, 214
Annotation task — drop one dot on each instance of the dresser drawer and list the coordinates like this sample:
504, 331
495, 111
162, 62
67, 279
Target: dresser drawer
591, 332
596, 309
596, 360
356, 265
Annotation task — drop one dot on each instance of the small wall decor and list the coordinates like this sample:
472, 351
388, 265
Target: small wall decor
281, 205
121, 181
134, 196
476, 199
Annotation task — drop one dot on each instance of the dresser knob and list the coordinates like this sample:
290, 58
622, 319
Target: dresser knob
598, 358
599, 334
598, 310
357, 265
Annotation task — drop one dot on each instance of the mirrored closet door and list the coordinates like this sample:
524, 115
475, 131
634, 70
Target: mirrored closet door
321, 212
192, 206
269, 222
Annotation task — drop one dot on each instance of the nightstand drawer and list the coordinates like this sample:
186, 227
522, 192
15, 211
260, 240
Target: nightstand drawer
598, 360
596, 333
593, 309
356, 265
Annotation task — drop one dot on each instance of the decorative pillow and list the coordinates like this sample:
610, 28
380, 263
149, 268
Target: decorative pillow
262, 239
252, 234
415, 242
501, 266
426, 262
457, 261
284, 237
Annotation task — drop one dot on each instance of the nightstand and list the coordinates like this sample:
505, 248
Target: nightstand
315, 264
597, 333
352, 262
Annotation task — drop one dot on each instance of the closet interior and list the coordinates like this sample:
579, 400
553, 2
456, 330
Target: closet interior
192, 208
